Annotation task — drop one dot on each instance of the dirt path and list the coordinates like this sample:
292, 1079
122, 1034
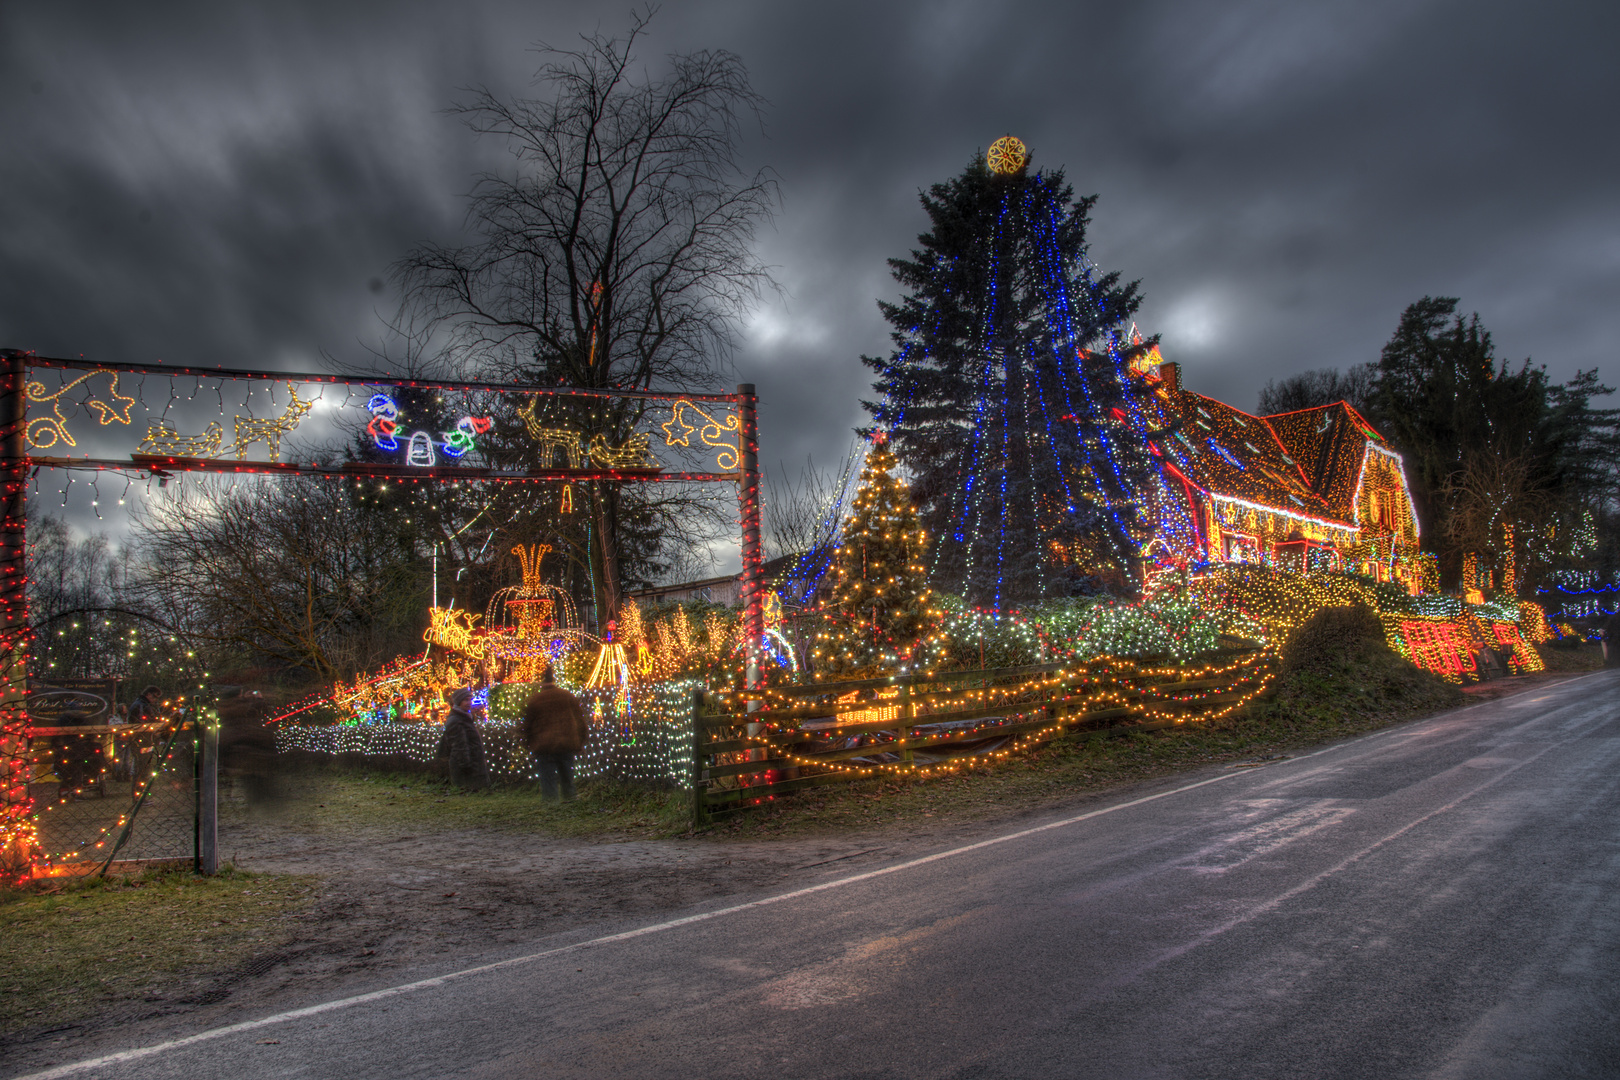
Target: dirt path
390, 900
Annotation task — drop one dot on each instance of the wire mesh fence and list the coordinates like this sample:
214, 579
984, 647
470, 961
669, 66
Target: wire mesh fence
101, 793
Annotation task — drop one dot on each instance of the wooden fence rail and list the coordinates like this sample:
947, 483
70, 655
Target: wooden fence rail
749, 746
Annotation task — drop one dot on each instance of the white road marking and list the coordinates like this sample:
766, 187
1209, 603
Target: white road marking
122, 1056
1231, 852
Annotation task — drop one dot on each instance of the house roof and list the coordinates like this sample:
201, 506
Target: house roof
728, 585
1329, 442
1234, 454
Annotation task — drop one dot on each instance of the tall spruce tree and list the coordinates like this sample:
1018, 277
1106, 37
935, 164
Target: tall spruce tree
879, 607
1008, 396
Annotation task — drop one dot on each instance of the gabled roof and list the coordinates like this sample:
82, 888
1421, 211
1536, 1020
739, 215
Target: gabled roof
1329, 442
1234, 454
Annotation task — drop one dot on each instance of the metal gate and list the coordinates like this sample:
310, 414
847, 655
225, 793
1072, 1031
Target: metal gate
132, 795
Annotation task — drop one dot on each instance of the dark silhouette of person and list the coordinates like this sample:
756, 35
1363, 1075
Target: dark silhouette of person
554, 731
463, 745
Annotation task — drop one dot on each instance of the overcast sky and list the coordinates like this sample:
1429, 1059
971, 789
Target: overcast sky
228, 185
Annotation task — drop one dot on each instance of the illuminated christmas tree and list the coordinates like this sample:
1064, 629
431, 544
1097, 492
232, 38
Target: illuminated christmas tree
879, 606
1010, 395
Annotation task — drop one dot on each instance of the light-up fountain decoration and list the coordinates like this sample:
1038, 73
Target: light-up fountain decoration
530, 625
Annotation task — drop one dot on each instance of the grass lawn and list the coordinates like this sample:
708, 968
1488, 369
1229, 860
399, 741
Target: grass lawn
68, 947
1565, 659
323, 798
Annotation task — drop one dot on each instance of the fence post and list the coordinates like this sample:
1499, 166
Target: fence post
208, 800
700, 809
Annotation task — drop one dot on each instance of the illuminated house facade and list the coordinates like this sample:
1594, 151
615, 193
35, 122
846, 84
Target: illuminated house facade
1316, 489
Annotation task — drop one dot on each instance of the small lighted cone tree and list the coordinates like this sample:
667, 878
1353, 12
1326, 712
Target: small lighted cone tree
879, 606
633, 634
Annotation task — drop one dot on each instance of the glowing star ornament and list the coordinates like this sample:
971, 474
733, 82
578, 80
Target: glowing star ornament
687, 419
1007, 155
44, 432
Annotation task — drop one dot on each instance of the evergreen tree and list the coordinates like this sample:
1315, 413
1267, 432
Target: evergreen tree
1488, 444
879, 607
1008, 393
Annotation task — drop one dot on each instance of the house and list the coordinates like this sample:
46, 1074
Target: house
725, 591
1316, 489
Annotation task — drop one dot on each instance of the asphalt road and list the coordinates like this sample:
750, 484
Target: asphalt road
1438, 900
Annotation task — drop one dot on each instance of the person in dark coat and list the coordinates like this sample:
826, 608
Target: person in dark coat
554, 731
144, 709
462, 744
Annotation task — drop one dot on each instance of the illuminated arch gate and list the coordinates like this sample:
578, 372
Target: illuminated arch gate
107, 396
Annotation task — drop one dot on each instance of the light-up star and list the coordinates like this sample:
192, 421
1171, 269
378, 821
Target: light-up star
671, 438
106, 412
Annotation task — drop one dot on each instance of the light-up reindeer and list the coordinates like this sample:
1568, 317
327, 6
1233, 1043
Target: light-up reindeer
269, 430
552, 439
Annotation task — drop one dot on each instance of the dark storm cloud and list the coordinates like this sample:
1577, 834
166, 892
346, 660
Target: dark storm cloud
223, 185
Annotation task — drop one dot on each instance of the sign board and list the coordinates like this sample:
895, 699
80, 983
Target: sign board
70, 702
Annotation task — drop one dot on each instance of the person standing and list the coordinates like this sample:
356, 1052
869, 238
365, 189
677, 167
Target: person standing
554, 730
144, 709
463, 745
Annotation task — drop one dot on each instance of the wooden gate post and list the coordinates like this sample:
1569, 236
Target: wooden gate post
18, 840
208, 795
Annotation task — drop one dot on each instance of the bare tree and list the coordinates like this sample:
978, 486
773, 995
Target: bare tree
1323, 386
617, 253
804, 517
282, 570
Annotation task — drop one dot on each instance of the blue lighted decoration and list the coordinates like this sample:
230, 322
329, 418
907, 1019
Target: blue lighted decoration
1052, 410
421, 449
384, 422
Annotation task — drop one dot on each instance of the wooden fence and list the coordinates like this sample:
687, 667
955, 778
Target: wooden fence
748, 747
